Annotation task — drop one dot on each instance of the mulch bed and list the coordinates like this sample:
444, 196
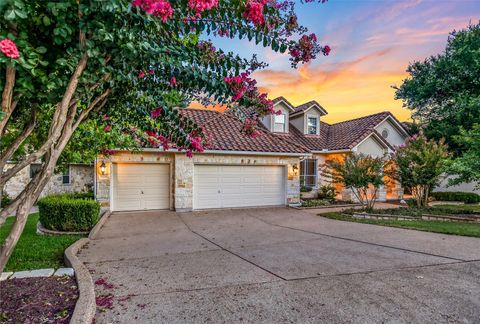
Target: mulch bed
38, 300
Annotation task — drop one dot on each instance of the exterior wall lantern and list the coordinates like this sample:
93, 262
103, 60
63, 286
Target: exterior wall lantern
295, 169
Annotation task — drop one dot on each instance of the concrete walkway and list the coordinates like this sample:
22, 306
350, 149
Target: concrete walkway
279, 265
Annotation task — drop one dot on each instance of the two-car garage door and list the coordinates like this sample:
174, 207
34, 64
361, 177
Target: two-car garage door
228, 186
142, 186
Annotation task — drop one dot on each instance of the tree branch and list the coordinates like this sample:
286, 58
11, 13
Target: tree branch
85, 112
29, 127
7, 96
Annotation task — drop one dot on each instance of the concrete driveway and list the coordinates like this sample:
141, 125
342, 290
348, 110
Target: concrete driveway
279, 265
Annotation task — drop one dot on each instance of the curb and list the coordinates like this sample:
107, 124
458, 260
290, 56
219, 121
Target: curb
103, 219
85, 307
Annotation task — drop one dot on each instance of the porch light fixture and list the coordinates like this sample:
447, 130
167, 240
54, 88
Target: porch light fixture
103, 168
295, 169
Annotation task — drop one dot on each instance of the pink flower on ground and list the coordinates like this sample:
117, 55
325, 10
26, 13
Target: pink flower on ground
105, 117
141, 74
9, 48
173, 81
107, 128
152, 72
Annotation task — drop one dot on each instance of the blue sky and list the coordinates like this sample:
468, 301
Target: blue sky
372, 43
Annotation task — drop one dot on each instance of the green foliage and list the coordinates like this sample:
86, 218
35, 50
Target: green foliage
419, 165
5, 200
361, 173
73, 213
454, 228
305, 189
466, 197
466, 168
316, 202
35, 251
419, 211
327, 192
444, 90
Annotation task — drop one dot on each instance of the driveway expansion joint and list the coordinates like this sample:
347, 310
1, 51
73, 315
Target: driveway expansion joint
231, 252
358, 241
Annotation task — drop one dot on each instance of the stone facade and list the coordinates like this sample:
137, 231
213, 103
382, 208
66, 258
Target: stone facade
182, 173
81, 180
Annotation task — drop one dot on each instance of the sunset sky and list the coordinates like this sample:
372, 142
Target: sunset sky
372, 43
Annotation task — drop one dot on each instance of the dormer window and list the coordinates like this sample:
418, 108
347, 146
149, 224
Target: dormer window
279, 123
312, 125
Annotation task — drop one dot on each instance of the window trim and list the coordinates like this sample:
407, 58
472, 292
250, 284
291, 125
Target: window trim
69, 175
314, 175
284, 124
317, 121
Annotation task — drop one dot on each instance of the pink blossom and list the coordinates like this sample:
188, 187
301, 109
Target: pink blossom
157, 112
159, 8
201, 5
9, 48
326, 50
141, 74
107, 128
152, 72
173, 81
189, 153
196, 144
105, 117
254, 12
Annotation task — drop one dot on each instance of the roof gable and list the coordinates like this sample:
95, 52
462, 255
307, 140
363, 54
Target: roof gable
303, 108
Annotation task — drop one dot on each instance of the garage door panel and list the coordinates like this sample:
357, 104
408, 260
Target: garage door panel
238, 186
141, 186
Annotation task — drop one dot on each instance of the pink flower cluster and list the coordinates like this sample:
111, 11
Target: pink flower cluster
157, 112
158, 140
306, 50
159, 8
208, 51
240, 85
173, 81
201, 5
254, 12
250, 127
9, 48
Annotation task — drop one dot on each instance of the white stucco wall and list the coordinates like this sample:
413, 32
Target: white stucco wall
395, 138
372, 147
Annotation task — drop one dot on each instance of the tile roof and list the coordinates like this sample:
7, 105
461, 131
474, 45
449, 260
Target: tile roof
341, 136
307, 105
225, 134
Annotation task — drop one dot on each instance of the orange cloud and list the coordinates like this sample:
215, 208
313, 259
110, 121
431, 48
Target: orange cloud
346, 90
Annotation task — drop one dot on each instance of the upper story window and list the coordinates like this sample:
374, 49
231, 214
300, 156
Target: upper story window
279, 124
312, 125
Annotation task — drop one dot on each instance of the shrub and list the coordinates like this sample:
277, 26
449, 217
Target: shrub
315, 202
69, 212
327, 192
305, 189
466, 197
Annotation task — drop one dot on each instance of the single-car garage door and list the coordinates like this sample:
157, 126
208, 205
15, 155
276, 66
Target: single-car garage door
141, 186
228, 186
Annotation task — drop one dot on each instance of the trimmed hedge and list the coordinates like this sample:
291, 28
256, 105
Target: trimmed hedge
466, 197
69, 212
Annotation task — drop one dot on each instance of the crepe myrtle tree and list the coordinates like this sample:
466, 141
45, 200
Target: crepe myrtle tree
418, 165
363, 174
110, 72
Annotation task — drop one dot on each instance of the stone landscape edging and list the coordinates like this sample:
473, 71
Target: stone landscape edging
327, 206
85, 306
45, 231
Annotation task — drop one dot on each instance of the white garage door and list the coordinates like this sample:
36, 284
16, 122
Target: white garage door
141, 186
221, 186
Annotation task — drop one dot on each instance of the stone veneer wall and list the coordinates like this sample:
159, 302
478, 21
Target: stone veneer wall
182, 173
81, 180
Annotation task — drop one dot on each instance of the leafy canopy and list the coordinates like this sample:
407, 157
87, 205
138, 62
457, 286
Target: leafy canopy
443, 91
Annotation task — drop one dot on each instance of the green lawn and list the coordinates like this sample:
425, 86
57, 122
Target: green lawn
455, 228
36, 251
